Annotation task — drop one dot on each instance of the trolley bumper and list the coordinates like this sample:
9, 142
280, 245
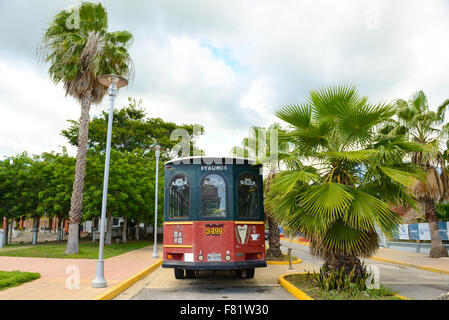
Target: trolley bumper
214, 265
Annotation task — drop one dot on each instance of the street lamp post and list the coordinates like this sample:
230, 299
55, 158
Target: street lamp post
158, 153
113, 82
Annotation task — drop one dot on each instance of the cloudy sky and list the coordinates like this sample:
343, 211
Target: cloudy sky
228, 65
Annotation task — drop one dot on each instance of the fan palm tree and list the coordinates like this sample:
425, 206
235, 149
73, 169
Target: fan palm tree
263, 146
78, 49
351, 176
426, 126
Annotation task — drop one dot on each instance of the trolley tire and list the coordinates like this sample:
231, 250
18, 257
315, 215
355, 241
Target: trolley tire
179, 273
190, 274
250, 273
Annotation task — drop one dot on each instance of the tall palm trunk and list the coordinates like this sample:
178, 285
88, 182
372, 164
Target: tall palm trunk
335, 262
274, 238
437, 249
76, 205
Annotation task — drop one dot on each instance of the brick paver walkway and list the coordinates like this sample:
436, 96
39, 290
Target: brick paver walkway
52, 284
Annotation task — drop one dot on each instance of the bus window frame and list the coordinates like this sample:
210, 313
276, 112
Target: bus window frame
202, 216
256, 178
179, 173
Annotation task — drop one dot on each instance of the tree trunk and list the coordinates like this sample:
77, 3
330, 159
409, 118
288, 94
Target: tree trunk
336, 262
58, 231
35, 229
76, 205
6, 231
108, 238
60, 226
145, 233
93, 231
437, 250
137, 229
274, 238
12, 230
125, 227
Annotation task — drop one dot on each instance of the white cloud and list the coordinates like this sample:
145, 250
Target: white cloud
229, 67
33, 111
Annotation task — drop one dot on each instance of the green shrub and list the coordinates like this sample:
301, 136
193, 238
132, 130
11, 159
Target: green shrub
339, 280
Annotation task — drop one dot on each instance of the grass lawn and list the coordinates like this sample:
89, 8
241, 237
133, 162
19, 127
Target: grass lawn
9, 279
309, 287
87, 250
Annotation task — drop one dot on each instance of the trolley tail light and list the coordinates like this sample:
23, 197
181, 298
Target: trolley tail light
253, 256
174, 256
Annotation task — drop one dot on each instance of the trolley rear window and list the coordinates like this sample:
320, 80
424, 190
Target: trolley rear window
179, 192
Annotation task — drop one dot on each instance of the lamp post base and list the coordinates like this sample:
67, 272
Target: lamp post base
99, 281
155, 255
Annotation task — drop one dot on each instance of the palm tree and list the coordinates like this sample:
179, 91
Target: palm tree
425, 126
259, 145
351, 176
78, 49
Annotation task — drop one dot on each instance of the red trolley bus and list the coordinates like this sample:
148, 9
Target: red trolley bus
214, 216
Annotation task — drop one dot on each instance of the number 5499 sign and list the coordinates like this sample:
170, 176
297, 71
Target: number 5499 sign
214, 230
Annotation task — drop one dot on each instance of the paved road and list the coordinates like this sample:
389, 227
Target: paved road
410, 282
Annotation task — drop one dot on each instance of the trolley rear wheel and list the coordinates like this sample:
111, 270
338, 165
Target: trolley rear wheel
179, 273
190, 274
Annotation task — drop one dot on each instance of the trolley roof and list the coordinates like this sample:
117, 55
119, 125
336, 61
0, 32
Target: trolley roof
211, 160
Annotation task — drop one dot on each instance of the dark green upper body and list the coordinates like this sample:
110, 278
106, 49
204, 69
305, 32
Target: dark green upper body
205, 189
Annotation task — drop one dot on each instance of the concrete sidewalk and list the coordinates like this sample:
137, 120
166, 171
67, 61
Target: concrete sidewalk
406, 258
413, 259
53, 282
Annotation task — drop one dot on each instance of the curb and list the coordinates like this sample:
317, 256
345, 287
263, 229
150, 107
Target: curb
299, 294
125, 284
411, 265
284, 262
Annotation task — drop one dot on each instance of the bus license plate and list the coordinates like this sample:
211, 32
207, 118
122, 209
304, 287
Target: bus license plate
214, 257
